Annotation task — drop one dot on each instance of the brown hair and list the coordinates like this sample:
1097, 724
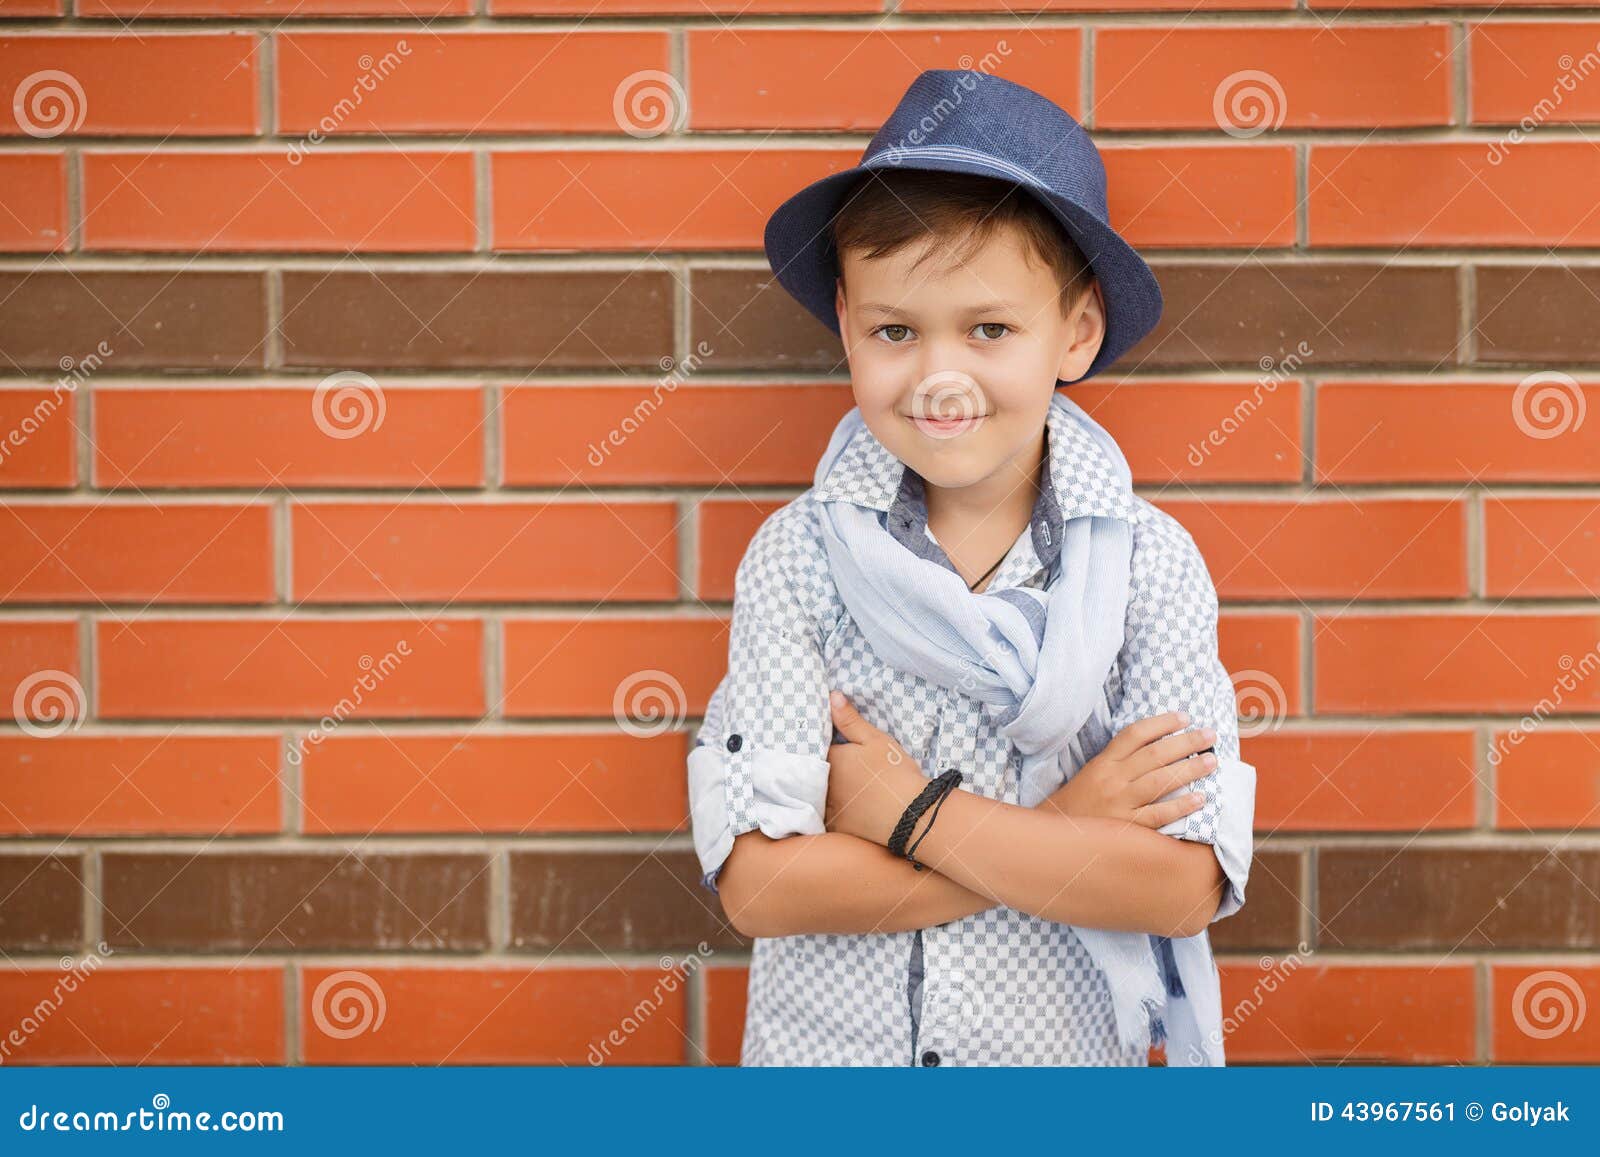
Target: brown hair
889, 209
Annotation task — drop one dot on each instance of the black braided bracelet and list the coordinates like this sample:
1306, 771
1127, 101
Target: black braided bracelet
911, 852
908, 818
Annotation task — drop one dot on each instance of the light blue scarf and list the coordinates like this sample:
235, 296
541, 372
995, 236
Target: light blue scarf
1038, 661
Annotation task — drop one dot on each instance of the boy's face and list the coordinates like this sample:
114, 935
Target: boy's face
954, 368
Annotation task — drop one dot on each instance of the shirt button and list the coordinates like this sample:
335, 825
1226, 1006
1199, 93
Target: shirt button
930, 1058
735, 742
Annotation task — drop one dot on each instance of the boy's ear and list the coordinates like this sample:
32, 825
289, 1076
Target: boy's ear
838, 301
1088, 334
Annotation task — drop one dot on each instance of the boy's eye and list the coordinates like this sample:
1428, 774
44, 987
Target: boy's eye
985, 327
895, 333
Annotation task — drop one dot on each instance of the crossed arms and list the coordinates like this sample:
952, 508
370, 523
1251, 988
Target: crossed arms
1088, 855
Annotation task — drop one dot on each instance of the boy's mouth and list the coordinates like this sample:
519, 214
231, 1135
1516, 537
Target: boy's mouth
946, 427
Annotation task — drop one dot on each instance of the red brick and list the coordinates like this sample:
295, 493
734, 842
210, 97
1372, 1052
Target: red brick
679, 433
1517, 72
189, 552
581, 667
425, 551
279, 434
1546, 778
1012, 8
33, 202
302, 668
41, 650
1175, 196
1201, 431
1543, 1015
1330, 548
208, 82
1358, 1013
473, 782
327, 202
849, 79
150, 9
1261, 653
484, 82
1363, 781
38, 437
726, 990
166, 1015
1541, 547
726, 527
1158, 77
146, 784
485, 1016
635, 199
1451, 431
1453, 193
1471, 662
588, 8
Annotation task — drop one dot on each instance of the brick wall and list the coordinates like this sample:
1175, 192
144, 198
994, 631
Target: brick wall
391, 387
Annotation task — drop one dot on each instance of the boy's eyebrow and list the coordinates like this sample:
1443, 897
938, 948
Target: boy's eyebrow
997, 306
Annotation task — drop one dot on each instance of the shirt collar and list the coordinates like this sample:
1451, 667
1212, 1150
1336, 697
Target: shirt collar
1082, 479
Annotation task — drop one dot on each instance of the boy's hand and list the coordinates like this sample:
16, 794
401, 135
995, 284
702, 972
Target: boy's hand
1143, 762
871, 778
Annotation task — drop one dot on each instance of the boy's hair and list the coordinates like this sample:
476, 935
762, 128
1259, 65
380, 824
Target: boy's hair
889, 209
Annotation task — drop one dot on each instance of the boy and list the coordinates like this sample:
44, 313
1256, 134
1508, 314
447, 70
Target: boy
973, 579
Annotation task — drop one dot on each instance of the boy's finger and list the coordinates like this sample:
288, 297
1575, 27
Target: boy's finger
1160, 814
1154, 784
1142, 731
847, 719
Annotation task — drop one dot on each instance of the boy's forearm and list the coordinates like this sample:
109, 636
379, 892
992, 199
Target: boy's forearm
834, 882
1099, 873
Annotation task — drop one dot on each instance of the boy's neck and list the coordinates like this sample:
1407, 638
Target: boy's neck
1001, 504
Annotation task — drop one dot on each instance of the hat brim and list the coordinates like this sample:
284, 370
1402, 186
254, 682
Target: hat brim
799, 248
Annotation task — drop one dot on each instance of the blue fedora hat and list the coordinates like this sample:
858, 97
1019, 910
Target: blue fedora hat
962, 121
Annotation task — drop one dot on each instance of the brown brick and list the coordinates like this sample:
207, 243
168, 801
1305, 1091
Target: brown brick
1457, 898
158, 317
1546, 314
530, 320
1270, 917
749, 321
274, 902
633, 900
1235, 314
41, 902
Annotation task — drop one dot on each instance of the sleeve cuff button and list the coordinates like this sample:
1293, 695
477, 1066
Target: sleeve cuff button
735, 742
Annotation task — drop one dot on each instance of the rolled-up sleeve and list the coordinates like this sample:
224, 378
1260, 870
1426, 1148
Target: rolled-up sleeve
760, 756
1170, 663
